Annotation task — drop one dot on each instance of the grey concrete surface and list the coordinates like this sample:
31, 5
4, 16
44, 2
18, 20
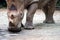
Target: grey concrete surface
41, 32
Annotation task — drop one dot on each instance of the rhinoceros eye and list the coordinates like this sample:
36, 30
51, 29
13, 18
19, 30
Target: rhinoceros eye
13, 7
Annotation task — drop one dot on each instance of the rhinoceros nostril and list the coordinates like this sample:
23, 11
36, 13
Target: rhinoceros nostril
13, 7
12, 17
11, 24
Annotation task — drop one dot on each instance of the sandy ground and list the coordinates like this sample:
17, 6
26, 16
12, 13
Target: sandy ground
41, 32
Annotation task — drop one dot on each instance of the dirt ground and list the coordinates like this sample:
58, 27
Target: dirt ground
42, 31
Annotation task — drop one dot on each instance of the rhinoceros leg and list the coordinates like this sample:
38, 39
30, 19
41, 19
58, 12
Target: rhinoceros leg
15, 15
49, 11
30, 14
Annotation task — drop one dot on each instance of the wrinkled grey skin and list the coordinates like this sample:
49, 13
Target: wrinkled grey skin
16, 12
